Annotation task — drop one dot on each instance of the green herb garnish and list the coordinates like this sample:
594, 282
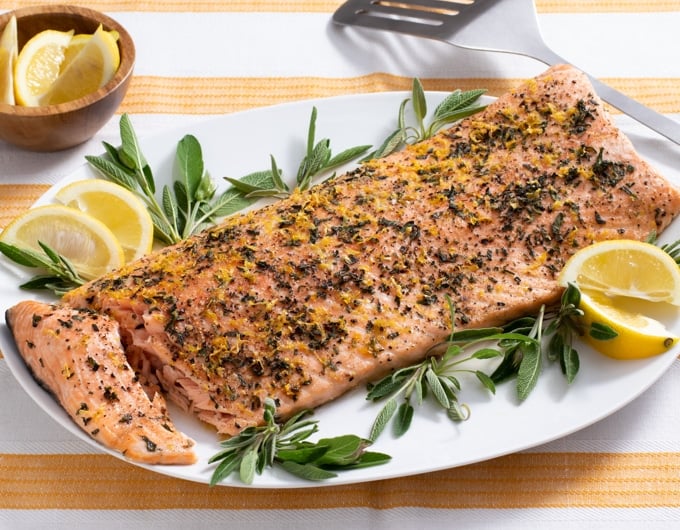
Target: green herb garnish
285, 445
318, 159
521, 345
188, 206
456, 106
61, 275
437, 376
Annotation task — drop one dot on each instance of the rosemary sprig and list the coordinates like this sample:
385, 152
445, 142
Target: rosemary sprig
317, 160
285, 445
61, 274
456, 106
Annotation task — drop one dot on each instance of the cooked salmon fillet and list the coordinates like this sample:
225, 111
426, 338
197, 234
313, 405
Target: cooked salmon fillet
77, 355
309, 297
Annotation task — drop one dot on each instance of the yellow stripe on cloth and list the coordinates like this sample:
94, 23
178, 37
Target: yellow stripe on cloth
217, 95
328, 6
17, 198
539, 480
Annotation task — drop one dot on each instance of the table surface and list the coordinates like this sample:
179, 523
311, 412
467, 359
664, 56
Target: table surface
204, 58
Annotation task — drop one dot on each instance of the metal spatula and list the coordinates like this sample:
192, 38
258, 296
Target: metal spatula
509, 26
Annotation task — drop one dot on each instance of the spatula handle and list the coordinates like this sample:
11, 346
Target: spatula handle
657, 122
645, 115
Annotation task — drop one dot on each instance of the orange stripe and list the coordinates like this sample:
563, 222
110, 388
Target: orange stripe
541, 480
16, 198
328, 6
217, 95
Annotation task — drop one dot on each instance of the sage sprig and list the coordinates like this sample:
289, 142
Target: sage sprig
317, 160
559, 328
286, 445
188, 205
61, 276
438, 376
457, 105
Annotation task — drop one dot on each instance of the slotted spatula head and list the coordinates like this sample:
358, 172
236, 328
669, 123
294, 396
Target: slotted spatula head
494, 25
509, 26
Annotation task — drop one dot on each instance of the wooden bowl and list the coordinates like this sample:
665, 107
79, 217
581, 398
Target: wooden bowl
56, 127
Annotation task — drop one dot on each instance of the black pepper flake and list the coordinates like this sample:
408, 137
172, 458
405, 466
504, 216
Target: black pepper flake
150, 445
65, 323
93, 364
110, 394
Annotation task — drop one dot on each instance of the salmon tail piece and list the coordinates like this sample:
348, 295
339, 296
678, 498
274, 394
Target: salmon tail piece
78, 357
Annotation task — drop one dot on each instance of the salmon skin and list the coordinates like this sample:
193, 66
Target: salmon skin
304, 299
77, 355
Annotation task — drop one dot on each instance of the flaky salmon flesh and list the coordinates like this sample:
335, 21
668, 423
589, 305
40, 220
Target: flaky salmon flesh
304, 299
77, 355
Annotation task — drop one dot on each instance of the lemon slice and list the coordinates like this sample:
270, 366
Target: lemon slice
8, 56
38, 65
94, 66
624, 268
85, 241
119, 209
622, 283
638, 336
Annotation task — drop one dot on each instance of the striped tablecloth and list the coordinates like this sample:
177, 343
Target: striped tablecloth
200, 58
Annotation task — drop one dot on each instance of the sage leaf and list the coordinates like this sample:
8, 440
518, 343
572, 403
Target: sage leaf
486, 381
189, 158
248, 466
529, 370
25, 257
437, 389
369, 459
600, 331
458, 412
385, 386
419, 101
307, 471
486, 353
383, 418
456, 101
341, 450
403, 418
308, 453
570, 364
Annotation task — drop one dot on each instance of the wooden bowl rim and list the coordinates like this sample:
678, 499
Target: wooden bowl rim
125, 45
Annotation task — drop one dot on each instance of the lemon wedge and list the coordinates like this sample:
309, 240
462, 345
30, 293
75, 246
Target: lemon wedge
637, 335
75, 45
78, 42
622, 282
624, 268
119, 209
85, 241
89, 70
38, 65
9, 50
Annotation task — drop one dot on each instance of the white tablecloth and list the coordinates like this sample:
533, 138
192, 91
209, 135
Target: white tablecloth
197, 59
